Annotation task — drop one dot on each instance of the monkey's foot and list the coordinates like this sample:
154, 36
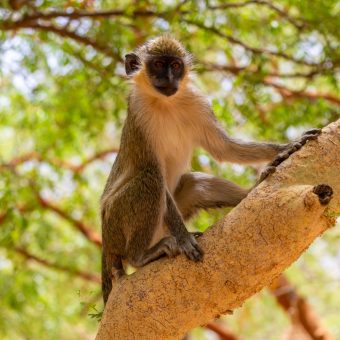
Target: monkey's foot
117, 273
290, 149
191, 248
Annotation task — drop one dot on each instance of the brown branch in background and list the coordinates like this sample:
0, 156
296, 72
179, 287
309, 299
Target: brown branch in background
299, 310
96, 156
288, 93
253, 69
35, 156
299, 23
90, 234
75, 14
221, 330
84, 275
284, 91
254, 50
35, 23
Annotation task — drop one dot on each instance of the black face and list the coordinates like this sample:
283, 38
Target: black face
165, 73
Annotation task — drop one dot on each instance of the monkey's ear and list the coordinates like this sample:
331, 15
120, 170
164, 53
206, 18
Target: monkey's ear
132, 63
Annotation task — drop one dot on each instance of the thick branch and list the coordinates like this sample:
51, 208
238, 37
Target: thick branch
244, 252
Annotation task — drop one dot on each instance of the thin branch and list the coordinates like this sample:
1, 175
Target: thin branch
312, 95
299, 23
86, 230
64, 32
96, 156
84, 275
35, 23
251, 69
35, 156
255, 50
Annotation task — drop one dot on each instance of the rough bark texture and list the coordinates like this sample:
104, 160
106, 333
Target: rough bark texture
244, 252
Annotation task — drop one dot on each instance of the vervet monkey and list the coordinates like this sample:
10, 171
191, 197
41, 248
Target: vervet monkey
149, 194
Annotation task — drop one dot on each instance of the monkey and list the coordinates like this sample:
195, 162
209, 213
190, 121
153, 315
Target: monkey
149, 192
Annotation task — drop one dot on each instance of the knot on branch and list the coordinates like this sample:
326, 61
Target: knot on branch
324, 192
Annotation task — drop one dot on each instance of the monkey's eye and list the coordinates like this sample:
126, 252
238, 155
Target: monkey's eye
176, 65
158, 64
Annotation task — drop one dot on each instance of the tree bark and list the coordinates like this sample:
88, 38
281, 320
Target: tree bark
244, 252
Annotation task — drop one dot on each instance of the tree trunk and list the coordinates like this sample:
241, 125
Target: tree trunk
244, 252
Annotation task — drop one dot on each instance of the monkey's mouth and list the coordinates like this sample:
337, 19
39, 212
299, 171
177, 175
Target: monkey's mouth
167, 90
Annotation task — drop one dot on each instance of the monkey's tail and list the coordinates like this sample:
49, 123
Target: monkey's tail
106, 279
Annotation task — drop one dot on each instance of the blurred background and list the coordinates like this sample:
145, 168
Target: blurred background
271, 71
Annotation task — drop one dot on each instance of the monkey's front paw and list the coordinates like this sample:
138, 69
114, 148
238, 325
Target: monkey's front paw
191, 248
294, 146
288, 150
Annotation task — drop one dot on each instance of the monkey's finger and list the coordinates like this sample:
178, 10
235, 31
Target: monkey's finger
266, 172
280, 158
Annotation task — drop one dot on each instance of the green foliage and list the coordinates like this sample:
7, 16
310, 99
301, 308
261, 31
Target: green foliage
271, 71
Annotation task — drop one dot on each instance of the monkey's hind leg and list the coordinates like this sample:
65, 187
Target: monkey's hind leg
145, 242
197, 190
112, 269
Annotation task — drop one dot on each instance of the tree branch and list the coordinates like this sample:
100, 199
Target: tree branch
76, 168
254, 50
87, 231
84, 275
297, 22
298, 309
244, 252
289, 93
36, 24
222, 331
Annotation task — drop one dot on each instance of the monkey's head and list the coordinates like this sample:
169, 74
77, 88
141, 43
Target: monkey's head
159, 66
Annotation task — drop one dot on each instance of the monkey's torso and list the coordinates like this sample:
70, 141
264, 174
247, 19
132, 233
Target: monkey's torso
156, 149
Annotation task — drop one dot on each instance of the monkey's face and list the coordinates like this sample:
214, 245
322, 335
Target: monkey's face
165, 73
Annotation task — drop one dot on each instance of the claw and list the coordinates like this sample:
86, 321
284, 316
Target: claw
196, 233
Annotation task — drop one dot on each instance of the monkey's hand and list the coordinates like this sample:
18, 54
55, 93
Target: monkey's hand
191, 248
288, 150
